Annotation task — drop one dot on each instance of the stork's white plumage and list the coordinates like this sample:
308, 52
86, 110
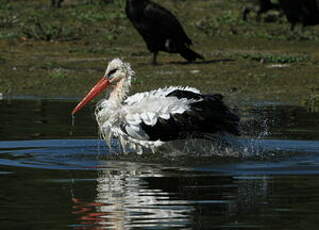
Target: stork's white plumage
150, 119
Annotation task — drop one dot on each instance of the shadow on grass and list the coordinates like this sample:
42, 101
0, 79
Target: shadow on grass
201, 62
188, 63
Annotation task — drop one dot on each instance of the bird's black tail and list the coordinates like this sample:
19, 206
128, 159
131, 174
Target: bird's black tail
231, 123
190, 55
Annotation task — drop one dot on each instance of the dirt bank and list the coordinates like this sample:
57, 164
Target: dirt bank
64, 51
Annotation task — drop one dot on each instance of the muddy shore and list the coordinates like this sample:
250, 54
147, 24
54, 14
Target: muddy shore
245, 61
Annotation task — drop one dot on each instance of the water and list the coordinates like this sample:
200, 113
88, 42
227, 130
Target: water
55, 176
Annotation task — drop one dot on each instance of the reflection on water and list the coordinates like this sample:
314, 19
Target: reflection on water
143, 196
174, 199
124, 200
51, 119
43, 118
55, 176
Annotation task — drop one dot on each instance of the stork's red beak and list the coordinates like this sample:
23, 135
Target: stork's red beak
96, 90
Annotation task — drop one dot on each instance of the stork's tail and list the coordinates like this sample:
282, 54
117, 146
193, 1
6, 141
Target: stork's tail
232, 123
190, 55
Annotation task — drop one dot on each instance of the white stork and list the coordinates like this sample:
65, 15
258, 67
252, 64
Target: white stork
150, 119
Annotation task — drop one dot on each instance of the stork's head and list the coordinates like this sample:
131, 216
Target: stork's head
116, 71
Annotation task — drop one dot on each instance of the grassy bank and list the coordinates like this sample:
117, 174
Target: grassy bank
62, 52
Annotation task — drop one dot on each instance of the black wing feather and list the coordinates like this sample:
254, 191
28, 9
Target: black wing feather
209, 115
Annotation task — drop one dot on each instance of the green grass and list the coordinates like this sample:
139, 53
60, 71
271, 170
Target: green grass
312, 103
2, 60
48, 51
50, 65
43, 23
57, 73
57, 31
272, 58
108, 21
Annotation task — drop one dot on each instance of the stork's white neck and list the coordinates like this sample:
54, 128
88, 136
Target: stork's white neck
120, 91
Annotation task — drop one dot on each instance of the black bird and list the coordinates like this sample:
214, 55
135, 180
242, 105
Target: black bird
56, 3
262, 6
160, 29
305, 12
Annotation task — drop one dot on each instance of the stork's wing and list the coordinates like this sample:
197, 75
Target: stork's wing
208, 114
178, 114
145, 113
158, 93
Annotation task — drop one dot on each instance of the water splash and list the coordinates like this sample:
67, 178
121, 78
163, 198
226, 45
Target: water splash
253, 146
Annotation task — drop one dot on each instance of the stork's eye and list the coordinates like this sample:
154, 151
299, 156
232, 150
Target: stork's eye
112, 72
